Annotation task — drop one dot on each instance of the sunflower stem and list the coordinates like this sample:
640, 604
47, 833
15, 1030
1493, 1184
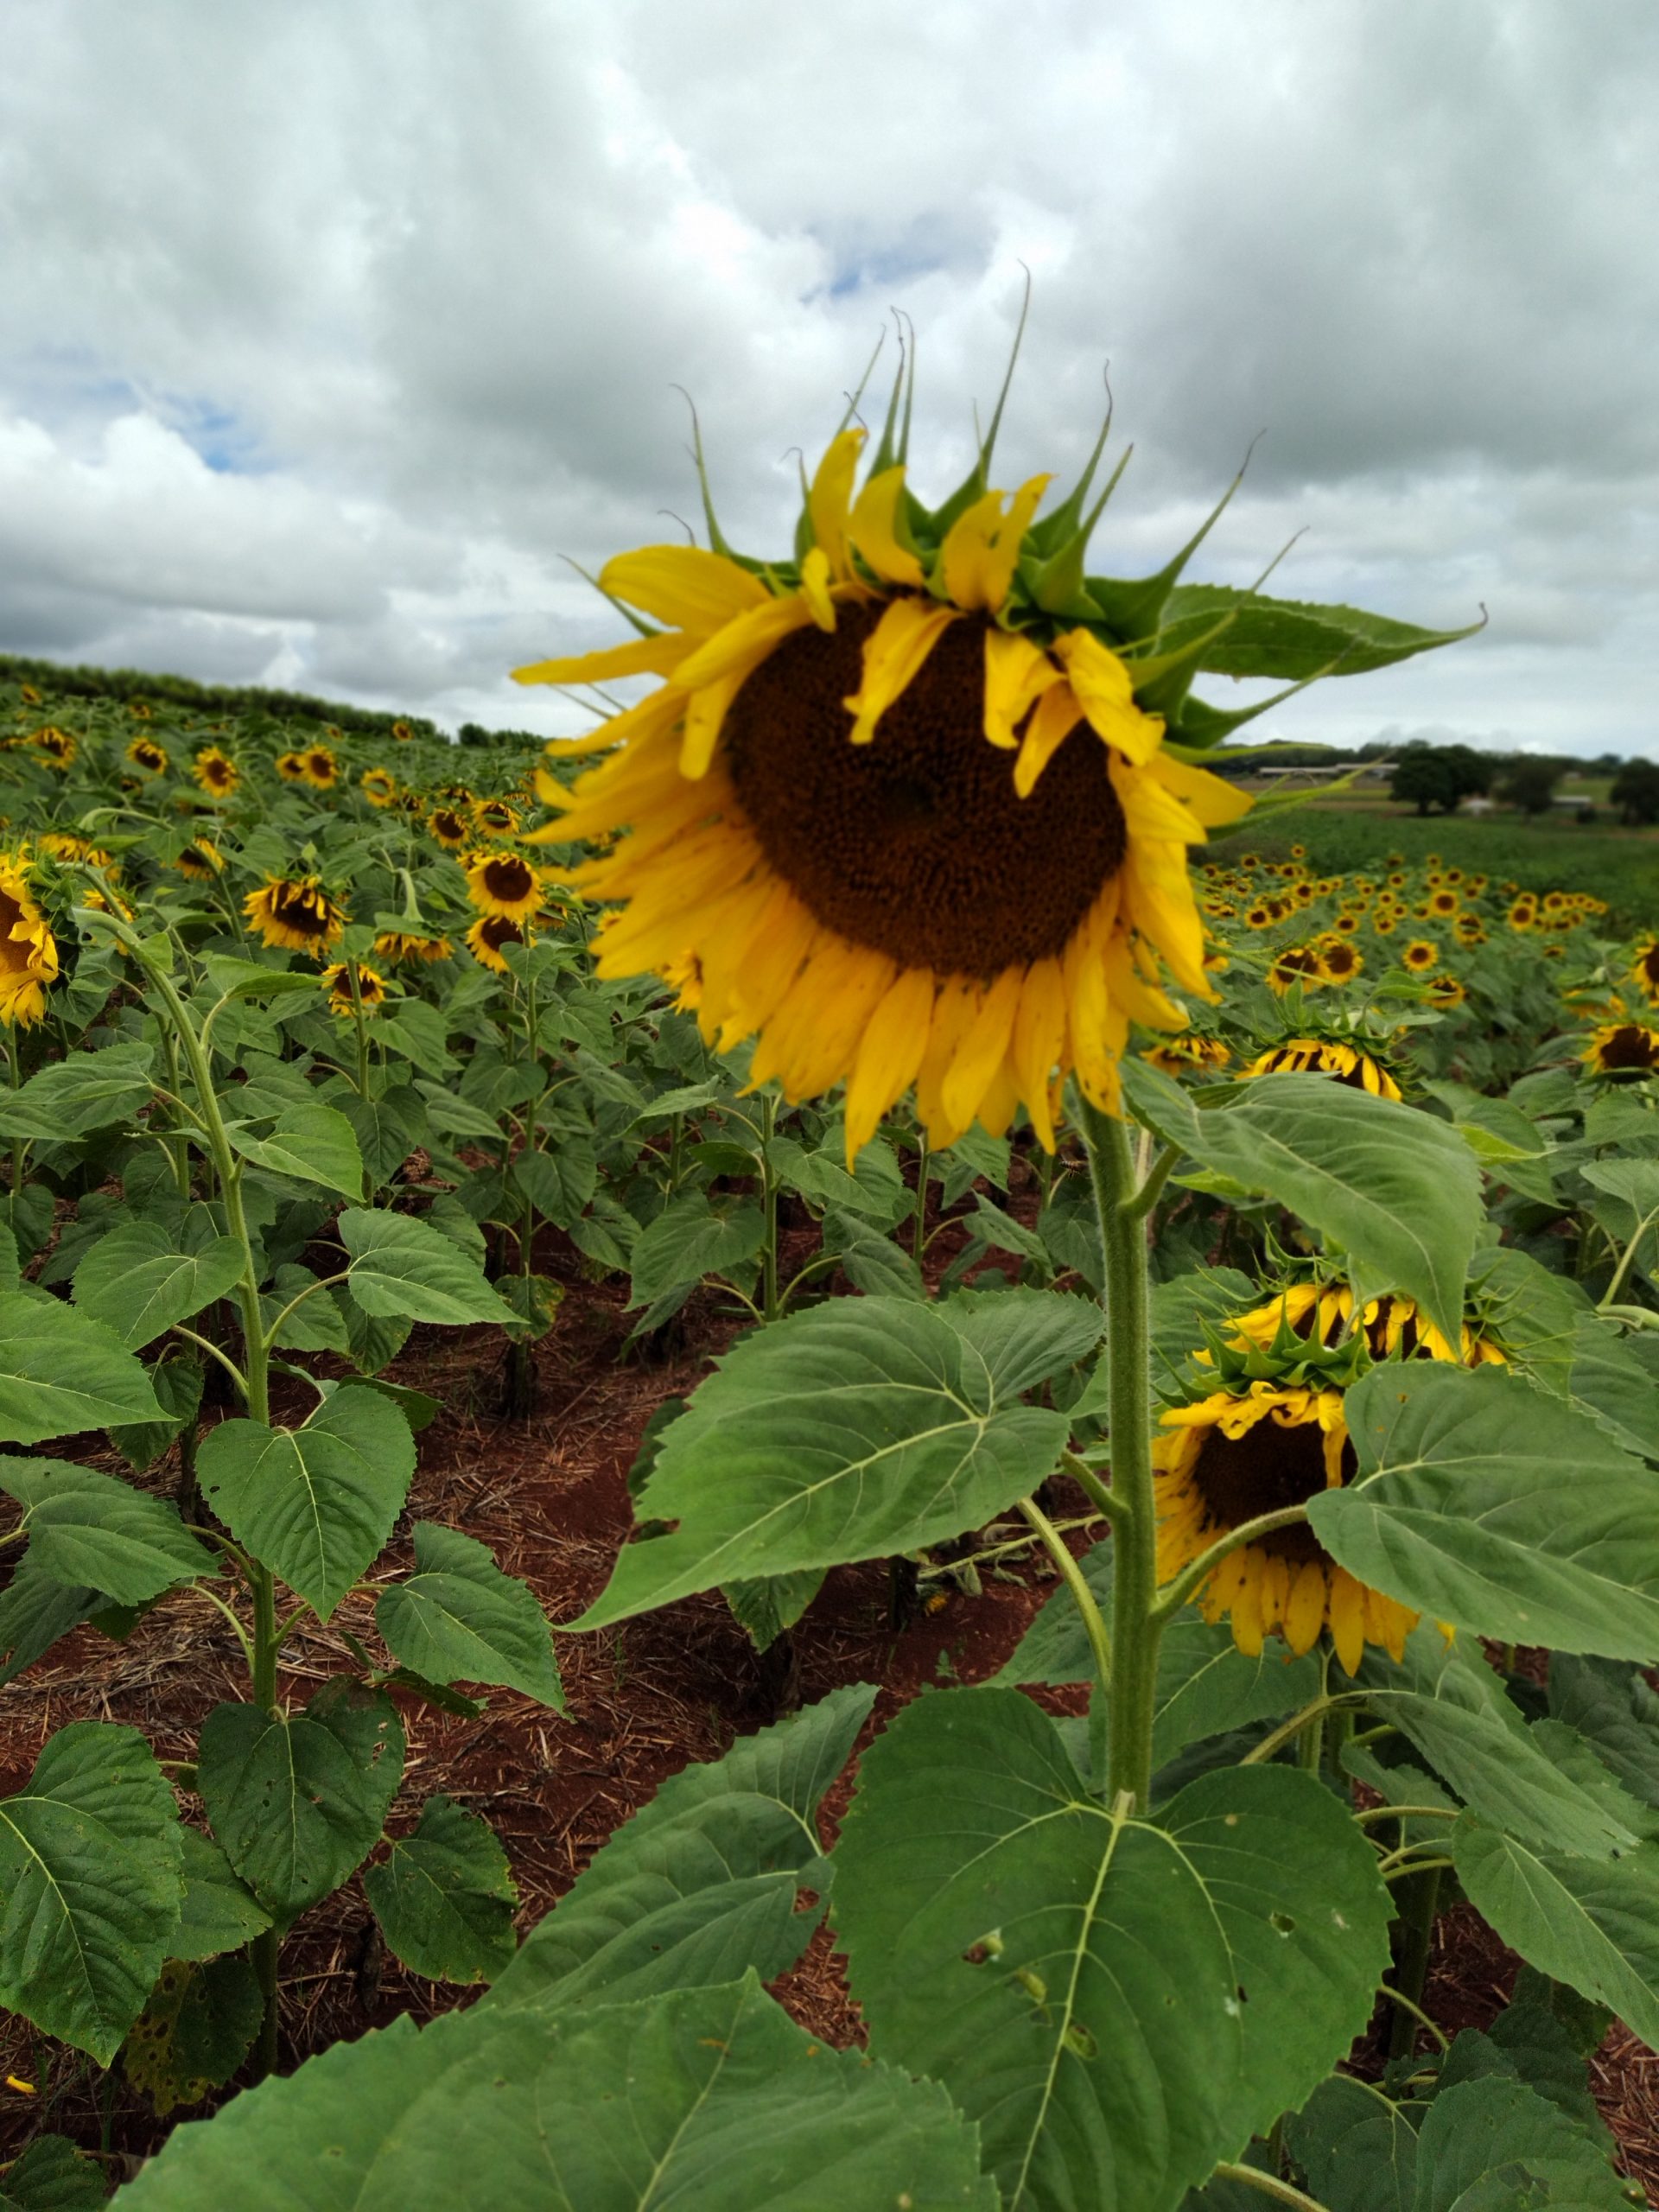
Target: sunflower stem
769, 1201
1136, 1625
1192, 1578
1083, 1597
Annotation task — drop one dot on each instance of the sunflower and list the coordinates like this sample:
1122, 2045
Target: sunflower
1384, 925
1319, 1312
1297, 963
402, 732
295, 915
1187, 1053
29, 951
1325, 1056
1644, 970
900, 803
451, 828
57, 747
1339, 960
1623, 1049
202, 860
1419, 955
1258, 918
378, 787
1469, 929
504, 883
139, 710
28, 694
1345, 923
1447, 992
1444, 903
337, 982
145, 752
216, 772
1523, 915
320, 769
495, 817
290, 766
64, 845
1298, 852
407, 944
487, 936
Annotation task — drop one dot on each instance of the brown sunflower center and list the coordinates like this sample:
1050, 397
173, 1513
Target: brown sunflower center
14, 952
916, 844
302, 910
1266, 1468
509, 879
499, 930
1631, 1046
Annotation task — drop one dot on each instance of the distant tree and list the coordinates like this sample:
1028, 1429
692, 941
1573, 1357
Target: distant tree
1636, 792
1435, 777
1531, 782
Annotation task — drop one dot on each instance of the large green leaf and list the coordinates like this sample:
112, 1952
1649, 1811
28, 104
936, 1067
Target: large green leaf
219, 1914
89, 1870
1287, 639
88, 1091
860, 1428
34, 1612
297, 1800
313, 1503
459, 1619
1357, 2147
706, 2101
62, 1374
139, 1284
1493, 2145
559, 1181
1397, 1190
1488, 1504
1614, 1709
313, 1143
702, 1882
49, 2175
403, 1266
444, 1898
691, 1239
90, 1529
194, 2032
1119, 2002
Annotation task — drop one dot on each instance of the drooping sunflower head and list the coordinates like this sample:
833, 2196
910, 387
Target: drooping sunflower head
295, 914
1623, 1051
378, 787
402, 732
1644, 969
56, 748
1469, 929
504, 883
290, 766
407, 944
487, 936
495, 818
65, 845
202, 860
337, 982
216, 772
1188, 1053
321, 770
29, 951
146, 754
1296, 964
28, 695
450, 827
1340, 1057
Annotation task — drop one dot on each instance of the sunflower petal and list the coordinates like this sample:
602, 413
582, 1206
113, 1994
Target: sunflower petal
893, 653
815, 587
889, 1055
1107, 696
682, 584
830, 496
980, 1056
1039, 1038
1058, 714
981, 547
1017, 674
874, 529
745, 641
658, 656
1211, 800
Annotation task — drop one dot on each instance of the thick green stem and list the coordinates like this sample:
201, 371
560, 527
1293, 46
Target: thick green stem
1419, 1908
1136, 1627
769, 1202
919, 1233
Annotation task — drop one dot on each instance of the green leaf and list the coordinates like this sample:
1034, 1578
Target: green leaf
767, 1608
1178, 1310
1616, 1712
1357, 2147
560, 1181
92, 1528
1484, 1504
49, 2175
88, 1091
252, 979
708, 2100
196, 2030
445, 1898
870, 1260
1483, 2142
458, 1617
298, 1801
178, 1385
34, 1612
702, 1882
387, 1128
1287, 639
862, 1428
404, 1267
1395, 1189
218, 1913
62, 1374
1119, 2003
313, 1143
318, 1324
136, 1283
315, 1503
689, 1240
1608, 1381
89, 1870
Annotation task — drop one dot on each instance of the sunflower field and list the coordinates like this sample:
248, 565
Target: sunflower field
1131, 1545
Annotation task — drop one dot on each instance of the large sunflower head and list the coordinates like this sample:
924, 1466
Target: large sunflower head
295, 915
146, 754
56, 748
408, 944
1298, 965
487, 936
1623, 1051
449, 826
29, 951
1340, 960
1343, 1058
216, 772
320, 769
495, 817
505, 884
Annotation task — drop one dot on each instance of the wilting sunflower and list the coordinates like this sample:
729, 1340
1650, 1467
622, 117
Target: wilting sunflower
505, 884
1339, 960
29, 951
495, 817
216, 772
378, 787
402, 732
321, 769
1419, 955
1297, 963
1623, 1049
408, 944
145, 752
28, 695
900, 802
1469, 929
1187, 1053
1325, 1056
1644, 970
290, 766
450, 828
295, 915
57, 747
202, 860
337, 982
64, 845
487, 936
1447, 992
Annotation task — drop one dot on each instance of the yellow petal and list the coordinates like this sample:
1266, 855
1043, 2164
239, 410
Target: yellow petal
1000, 1101
830, 496
705, 716
1305, 1610
744, 642
893, 654
1247, 1605
1347, 1618
1211, 800
953, 1015
682, 584
980, 1056
889, 1055
1058, 714
1038, 1035
1004, 557
981, 547
873, 530
1107, 696
815, 587
1017, 674
643, 656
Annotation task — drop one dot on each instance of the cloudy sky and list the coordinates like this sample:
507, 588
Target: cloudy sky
329, 334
